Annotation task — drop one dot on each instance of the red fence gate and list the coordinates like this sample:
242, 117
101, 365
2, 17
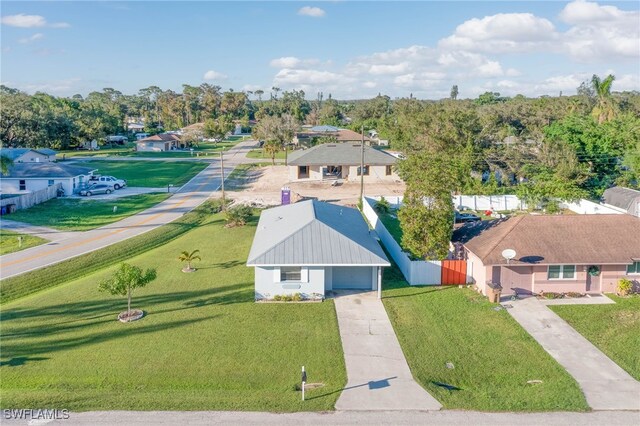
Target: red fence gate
453, 272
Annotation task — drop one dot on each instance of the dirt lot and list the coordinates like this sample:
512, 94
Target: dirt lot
263, 184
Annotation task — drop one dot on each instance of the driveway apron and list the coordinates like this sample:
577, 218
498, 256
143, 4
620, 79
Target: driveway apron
605, 385
378, 374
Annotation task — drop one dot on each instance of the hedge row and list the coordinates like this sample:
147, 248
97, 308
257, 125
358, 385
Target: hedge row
77, 267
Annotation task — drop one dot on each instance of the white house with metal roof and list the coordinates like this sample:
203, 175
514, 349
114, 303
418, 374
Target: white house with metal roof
30, 177
341, 161
28, 155
312, 247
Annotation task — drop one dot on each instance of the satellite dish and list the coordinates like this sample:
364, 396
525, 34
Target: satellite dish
508, 254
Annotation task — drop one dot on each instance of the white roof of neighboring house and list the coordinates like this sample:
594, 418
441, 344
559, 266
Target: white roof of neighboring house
346, 154
314, 233
45, 171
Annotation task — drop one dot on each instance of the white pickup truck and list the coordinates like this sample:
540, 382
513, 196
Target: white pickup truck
109, 180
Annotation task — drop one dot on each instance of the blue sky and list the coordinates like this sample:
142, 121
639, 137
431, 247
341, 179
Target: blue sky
348, 49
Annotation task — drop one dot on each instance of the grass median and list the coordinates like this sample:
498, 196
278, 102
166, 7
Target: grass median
51, 276
204, 344
453, 337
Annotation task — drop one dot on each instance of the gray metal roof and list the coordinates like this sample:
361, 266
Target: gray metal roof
44, 170
14, 153
623, 198
314, 233
345, 154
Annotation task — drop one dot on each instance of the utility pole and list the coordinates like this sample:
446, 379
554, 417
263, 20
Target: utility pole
224, 204
362, 166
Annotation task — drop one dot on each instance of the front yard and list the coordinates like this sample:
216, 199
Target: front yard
491, 357
150, 174
10, 241
203, 345
74, 214
614, 329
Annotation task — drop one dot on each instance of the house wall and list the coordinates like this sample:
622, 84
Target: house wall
376, 173
33, 157
610, 274
150, 146
12, 186
478, 271
267, 282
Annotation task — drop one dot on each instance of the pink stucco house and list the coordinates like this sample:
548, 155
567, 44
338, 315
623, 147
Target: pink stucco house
559, 253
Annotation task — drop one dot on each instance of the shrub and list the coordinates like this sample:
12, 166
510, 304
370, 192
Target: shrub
624, 286
277, 297
552, 207
215, 205
382, 206
574, 294
552, 295
297, 297
238, 215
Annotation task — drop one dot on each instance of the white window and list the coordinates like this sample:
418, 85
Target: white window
561, 272
290, 273
633, 269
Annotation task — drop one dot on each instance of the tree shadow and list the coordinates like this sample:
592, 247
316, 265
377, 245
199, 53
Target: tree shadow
21, 360
223, 265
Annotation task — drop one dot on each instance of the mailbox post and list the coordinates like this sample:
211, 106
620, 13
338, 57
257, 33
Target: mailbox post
304, 381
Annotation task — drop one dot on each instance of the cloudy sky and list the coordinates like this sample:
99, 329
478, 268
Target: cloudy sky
349, 49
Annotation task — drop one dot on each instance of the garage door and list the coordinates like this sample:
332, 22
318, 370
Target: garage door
352, 277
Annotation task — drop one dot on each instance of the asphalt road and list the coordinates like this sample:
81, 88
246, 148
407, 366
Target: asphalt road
444, 417
191, 195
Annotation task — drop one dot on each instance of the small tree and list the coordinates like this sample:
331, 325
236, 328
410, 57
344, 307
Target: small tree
185, 256
238, 215
5, 164
271, 148
127, 278
382, 206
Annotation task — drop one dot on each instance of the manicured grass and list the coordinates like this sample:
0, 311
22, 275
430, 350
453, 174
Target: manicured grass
81, 214
151, 174
51, 276
9, 241
391, 222
259, 153
614, 329
492, 356
203, 345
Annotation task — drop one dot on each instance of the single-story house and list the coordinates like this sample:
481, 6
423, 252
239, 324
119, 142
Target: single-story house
625, 199
29, 155
158, 143
337, 134
341, 161
311, 247
30, 177
554, 253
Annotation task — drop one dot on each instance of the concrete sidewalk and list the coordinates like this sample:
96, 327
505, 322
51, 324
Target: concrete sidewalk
378, 374
605, 385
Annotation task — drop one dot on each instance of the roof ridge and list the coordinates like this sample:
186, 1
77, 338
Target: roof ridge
517, 220
288, 236
348, 238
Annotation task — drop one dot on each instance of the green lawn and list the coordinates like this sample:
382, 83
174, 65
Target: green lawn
259, 153
614, 329
204, 344
9, 241
391, 222
492, 356
151, 174
81, 214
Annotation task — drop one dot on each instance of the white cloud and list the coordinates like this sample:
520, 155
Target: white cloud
584, 12
314, 12
400, 68
369, 84
35, 37
214, 75
293, 62
22, 20
290, 77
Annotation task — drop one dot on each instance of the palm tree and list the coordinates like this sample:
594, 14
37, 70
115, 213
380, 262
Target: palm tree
605, 108
185, 256
5, 164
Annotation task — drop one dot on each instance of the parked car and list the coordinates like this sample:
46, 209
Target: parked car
99, 188
109, 180
466, 217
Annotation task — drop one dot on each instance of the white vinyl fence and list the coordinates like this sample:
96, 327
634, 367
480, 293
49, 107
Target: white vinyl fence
589, 207
416, 272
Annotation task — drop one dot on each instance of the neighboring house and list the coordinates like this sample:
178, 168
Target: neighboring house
341, 161
312, 247
135, 127
158, 143
337, 134
625, 199
28, 155
30, 177
119, 139
554, 253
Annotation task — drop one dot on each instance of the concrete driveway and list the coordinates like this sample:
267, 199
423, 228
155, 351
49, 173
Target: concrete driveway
605, 385
378, 374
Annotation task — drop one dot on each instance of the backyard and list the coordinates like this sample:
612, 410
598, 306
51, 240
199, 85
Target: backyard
203, 344
77, 214
454, 337
10, 241
151, 174
616, 332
